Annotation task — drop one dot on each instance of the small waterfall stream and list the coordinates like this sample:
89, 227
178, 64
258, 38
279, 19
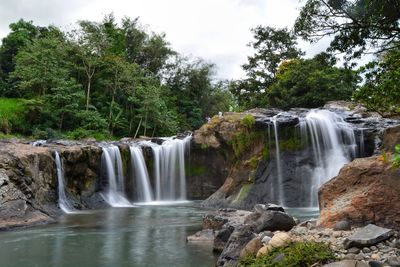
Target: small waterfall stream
333, 145
143, 187
169, 169
63, 202
112, 161
281, 197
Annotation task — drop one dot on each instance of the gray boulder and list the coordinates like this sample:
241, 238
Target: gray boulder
270, 220
368, 236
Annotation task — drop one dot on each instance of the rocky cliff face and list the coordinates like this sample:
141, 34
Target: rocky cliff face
28, 181
249, 153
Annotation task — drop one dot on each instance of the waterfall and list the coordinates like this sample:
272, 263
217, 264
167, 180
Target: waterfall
169, 169
333, 144
65, 206
143, 187
362, 141
281, 199
111, 160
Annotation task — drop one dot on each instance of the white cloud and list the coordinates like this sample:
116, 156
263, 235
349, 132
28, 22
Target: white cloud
216, 30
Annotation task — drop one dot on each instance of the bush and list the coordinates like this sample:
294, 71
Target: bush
12, 115
48, 133
248, 121
299, 254
81, 133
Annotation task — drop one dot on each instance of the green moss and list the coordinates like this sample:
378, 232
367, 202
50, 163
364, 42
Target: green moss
291, 144
296, 255
194, 170
204, 146
243, 141
265, 152
254, 162
248, 121
244, 192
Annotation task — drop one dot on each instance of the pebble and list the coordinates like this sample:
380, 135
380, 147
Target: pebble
383, 254
353, 250
393, 261
375, 257
366, 250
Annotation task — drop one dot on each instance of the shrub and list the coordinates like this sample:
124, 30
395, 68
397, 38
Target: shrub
248, 121
299, 254
396, 156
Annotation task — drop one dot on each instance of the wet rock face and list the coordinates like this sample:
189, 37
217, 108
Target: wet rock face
206, 170
28, 181
249, 166
365, 191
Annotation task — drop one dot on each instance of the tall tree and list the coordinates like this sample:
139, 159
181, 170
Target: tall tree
310, 83
356, 26
381, 90
272, 46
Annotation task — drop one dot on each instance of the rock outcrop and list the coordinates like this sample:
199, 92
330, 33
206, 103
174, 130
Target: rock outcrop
239, 233
365, 191
391, 138
243, 156
28, 181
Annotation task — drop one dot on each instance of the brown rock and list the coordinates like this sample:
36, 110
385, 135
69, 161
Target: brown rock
251, 249
264, 250
361, 193
391, 138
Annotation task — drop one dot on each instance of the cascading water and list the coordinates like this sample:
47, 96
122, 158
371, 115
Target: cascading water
169, 169
281, 198
333, 144
111, 160
63, 202
143, 187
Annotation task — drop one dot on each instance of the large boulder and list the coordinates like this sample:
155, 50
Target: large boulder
368, 236
238, 240
270, 220
365, 191
391, 137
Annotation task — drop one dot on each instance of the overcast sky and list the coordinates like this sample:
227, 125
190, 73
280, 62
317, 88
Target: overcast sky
215, 30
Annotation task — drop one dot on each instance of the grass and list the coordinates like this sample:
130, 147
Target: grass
12, 117
299, 254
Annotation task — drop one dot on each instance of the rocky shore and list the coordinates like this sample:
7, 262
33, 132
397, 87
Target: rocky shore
239, 234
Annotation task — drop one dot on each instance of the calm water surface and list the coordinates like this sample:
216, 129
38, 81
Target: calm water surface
143, 236
140, 236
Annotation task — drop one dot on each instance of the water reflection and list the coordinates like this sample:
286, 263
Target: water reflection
142, 236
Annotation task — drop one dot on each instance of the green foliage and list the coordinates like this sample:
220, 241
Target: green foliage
80, 133
299, 254
381, 90
243, 140
356, 26
272, 46
248, 121
106, 77
265, 152
396, 156
12, 113
254, 162
310, 83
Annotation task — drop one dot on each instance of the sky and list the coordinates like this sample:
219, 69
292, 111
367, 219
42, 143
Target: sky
216, 30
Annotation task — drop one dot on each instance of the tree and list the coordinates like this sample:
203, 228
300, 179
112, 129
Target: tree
310, 83
381, 90
356, 26
272, 46
41, 65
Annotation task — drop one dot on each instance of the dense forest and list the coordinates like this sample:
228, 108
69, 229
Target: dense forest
110, 79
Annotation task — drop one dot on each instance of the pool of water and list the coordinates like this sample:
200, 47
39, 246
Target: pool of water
139, 236
142, 236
